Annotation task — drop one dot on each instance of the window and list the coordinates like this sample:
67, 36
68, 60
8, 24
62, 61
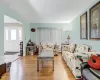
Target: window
6, 34
20, 35
13, 34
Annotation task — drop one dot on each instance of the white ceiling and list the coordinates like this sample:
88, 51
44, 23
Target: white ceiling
48, 11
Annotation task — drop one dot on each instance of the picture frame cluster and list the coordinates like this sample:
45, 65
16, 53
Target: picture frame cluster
94, 23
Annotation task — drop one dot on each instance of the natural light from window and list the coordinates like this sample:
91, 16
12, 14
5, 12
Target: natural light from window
20, 35
13, 34
6, 34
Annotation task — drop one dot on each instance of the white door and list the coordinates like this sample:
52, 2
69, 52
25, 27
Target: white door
12, 38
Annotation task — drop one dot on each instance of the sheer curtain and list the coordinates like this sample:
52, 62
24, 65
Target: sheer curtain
51, 35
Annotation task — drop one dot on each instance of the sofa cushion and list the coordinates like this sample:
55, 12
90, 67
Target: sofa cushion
72, 48
47, 45
81, 55
65, 48
82, 48
44, 45
91, 53
65, 53
86, 48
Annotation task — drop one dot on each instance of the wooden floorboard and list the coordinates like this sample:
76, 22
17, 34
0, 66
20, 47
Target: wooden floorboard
25, 68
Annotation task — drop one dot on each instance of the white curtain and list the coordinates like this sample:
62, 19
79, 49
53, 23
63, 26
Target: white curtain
51, 35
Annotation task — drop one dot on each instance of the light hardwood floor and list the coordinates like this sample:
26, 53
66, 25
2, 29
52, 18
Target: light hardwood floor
25, 68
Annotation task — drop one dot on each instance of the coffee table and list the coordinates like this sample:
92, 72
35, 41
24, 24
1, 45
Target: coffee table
45, 55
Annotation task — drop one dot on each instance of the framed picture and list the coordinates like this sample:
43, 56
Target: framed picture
83, 26
95, 22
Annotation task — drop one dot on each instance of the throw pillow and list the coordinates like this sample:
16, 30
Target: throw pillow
94, 62
72, 48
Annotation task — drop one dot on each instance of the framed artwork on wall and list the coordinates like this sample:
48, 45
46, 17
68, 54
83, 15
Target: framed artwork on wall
95, 22
83, 26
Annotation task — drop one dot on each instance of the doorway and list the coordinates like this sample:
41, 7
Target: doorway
13, 33
12, 38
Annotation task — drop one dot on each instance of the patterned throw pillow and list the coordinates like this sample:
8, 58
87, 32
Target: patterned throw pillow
72, 48
83, 48
65, 48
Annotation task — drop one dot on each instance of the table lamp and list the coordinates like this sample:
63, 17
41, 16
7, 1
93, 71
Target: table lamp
68, 38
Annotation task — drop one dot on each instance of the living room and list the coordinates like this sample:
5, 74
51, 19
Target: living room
66, 28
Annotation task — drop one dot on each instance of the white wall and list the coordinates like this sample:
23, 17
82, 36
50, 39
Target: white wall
12, 45
1, 34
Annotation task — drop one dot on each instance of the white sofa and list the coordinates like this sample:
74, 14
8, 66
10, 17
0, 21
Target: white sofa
74, 56
49, 46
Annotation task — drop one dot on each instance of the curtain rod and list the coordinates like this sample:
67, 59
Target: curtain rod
48, 28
